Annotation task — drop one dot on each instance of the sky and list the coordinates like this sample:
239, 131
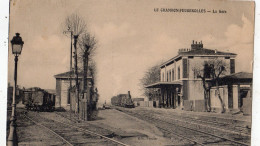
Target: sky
131, 37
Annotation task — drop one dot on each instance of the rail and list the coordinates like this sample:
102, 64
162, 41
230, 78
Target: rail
48, 129
79, 128
199, 131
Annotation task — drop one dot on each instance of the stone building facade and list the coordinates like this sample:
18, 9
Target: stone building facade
179, 85
62, 89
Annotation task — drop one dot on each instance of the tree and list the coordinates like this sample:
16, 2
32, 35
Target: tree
87, 44
93, 70
152, 75
76, 25
210, 73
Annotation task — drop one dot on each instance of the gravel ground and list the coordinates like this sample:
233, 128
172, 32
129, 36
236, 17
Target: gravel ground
115, 124
124, 128
136, 131
71, 133
112, 123
30, 134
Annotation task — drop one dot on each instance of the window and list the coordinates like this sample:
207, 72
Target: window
162, 77
208, 70
185, 68
68, 99
170, 75
173, 74
179, 73
167, 76
232, 66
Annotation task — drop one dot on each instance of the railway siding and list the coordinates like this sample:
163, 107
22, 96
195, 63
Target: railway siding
73, 134
30, 133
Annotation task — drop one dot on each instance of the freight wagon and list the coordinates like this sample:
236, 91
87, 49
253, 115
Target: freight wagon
38, 99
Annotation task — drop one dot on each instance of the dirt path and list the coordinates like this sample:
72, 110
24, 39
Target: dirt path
131, 130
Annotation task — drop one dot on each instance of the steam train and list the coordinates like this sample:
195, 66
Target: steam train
123, 100
38, 99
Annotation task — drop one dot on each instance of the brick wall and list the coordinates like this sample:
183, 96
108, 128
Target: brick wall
58, 93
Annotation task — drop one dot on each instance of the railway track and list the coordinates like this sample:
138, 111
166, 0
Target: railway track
71, 134
229, 128
179, 138
215, 120
196, 135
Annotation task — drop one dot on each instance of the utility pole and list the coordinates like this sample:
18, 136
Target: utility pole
70, 72
76, 72
71, 33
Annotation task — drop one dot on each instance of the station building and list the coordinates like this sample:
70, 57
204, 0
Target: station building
62, 88
180, 88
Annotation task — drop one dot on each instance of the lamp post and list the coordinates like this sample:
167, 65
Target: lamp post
17, 45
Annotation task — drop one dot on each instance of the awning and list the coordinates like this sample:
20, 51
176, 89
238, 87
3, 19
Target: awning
163, 84
236, 78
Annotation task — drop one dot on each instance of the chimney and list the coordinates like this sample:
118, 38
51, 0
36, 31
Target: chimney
129, 96
197, 45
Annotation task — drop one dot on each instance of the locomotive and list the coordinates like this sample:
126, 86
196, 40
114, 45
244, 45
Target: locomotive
38, 99
123, 100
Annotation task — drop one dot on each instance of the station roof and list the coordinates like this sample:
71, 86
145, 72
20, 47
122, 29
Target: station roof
161, 84
199, 52
239, 75
204, 51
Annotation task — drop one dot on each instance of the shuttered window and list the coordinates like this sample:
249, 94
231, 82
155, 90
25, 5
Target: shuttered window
179, 73
173, 74
185, 68
170, 75
162, 77
232, 66
167, 76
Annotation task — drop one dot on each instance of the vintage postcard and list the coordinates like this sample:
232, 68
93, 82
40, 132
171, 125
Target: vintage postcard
118, 72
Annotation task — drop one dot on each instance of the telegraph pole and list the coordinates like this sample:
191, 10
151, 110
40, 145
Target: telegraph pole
69, 95
71, 33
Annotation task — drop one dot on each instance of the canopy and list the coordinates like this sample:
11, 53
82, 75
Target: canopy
163, 84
